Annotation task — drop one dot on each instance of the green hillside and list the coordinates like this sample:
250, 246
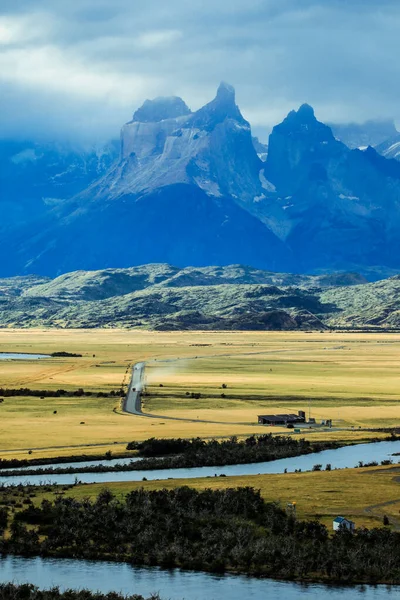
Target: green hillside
163, 297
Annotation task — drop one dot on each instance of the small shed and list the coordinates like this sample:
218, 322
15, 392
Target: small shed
343, 523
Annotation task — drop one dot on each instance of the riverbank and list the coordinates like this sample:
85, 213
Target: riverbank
338, 459
173, 454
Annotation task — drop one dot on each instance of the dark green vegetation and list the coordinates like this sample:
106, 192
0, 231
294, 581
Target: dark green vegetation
64, 354
10, 591
210, 530
199, 453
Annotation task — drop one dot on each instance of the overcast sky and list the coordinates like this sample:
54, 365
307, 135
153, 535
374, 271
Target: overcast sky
81, 67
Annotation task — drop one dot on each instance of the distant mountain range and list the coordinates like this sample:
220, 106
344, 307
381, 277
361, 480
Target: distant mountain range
195, 188
361, 135
163, 297
36, 177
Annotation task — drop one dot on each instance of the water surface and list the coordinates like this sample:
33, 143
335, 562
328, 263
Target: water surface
21, 356
173, 585
78, 465
345, 457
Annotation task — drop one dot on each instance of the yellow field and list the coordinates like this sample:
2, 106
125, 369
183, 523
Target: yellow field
364, 495
352, 378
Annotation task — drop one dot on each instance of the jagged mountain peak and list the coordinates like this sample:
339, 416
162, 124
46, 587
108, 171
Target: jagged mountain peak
222, 107
161, 108
300, 150
306, 112
190, 187
304, 123
226, 92
191, 149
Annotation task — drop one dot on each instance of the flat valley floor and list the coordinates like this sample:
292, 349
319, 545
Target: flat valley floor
352, 379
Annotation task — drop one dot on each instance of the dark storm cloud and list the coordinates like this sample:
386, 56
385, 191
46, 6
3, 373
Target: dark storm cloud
80, 67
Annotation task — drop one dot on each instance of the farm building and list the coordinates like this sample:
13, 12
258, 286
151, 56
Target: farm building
342, 522
282, 419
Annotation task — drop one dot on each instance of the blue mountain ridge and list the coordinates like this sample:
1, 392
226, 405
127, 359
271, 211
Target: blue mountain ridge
188, 188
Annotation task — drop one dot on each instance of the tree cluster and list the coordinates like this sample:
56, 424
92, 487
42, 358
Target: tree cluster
64, 354
210, 530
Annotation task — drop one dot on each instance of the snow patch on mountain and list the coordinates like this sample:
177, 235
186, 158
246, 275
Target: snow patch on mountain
265, 184
390, 148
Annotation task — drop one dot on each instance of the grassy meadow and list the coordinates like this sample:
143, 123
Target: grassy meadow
364, 495
352, 378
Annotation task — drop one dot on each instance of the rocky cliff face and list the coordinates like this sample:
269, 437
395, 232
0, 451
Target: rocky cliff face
333, 206
179, 193
189, 188
300, 150
167, 144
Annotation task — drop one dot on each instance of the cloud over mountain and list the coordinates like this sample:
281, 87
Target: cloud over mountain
78, 68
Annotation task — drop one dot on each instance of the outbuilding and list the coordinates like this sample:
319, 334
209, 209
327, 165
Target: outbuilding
283, 420
343, 523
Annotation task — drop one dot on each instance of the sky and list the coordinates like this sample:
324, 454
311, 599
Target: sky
77, 69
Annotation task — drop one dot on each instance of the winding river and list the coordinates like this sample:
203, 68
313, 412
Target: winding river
173, 584
189, 585
176, 584
346, 457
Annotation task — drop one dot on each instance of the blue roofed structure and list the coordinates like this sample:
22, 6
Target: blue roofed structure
342, 522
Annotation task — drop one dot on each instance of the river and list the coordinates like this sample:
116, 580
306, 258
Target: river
81, 464
345, 457
21, 356
172, 584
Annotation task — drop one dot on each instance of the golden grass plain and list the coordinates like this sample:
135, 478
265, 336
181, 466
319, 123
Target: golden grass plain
349, 377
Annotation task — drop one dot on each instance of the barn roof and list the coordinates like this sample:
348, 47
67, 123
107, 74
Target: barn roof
341, 520
279, 417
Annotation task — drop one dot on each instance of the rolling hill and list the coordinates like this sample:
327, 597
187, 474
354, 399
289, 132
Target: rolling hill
164, 297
